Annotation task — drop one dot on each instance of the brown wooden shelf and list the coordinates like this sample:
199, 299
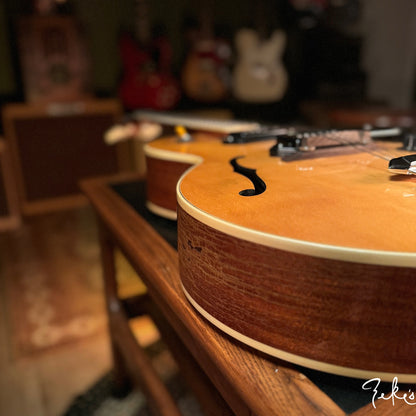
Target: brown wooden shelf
228, 377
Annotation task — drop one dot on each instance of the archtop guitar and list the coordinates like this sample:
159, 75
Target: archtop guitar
302, 246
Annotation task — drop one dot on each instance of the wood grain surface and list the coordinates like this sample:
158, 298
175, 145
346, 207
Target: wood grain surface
163, 175
335, 316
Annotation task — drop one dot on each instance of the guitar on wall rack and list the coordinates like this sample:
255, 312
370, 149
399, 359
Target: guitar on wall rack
147, 81
301, 245
259, 75
205, 74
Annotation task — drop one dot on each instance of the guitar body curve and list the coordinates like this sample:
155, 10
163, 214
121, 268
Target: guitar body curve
317, 270
164, 168
167, 158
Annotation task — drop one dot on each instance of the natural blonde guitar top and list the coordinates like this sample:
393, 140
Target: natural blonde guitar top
337, 206
318, 269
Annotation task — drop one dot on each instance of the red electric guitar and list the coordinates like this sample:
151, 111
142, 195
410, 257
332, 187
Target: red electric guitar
147, 79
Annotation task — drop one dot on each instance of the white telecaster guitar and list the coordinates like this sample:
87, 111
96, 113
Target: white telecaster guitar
259, 75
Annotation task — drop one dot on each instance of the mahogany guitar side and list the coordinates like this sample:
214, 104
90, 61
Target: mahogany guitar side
318, 269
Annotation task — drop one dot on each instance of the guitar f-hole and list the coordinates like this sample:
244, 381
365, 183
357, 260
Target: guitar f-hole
251, 174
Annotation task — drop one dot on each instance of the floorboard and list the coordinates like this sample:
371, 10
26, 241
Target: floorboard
44, 383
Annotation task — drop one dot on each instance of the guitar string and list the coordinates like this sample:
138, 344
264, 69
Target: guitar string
359, 146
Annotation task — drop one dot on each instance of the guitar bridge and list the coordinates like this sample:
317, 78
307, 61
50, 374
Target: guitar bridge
404, 163
287, 145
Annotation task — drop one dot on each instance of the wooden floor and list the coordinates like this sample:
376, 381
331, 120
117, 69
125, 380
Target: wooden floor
45, 383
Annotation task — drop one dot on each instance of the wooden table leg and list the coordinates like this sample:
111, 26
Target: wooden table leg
113, 304
210, 399
131, 364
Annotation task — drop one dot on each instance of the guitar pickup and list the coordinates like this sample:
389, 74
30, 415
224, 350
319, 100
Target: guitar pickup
287, 145
255, 135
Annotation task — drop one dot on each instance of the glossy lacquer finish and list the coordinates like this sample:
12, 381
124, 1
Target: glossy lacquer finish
319, 269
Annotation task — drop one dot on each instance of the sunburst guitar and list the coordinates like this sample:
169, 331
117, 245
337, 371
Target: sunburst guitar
303, 247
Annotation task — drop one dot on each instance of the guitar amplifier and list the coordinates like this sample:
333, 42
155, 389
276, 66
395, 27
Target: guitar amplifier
54, 146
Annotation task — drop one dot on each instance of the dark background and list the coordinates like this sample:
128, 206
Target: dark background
326, 53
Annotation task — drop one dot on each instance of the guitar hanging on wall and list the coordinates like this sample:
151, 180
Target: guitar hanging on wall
259, 75
205, 74
147, 80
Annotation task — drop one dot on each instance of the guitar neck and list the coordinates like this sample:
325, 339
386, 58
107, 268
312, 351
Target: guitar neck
206, 30
196, 123
142, 26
